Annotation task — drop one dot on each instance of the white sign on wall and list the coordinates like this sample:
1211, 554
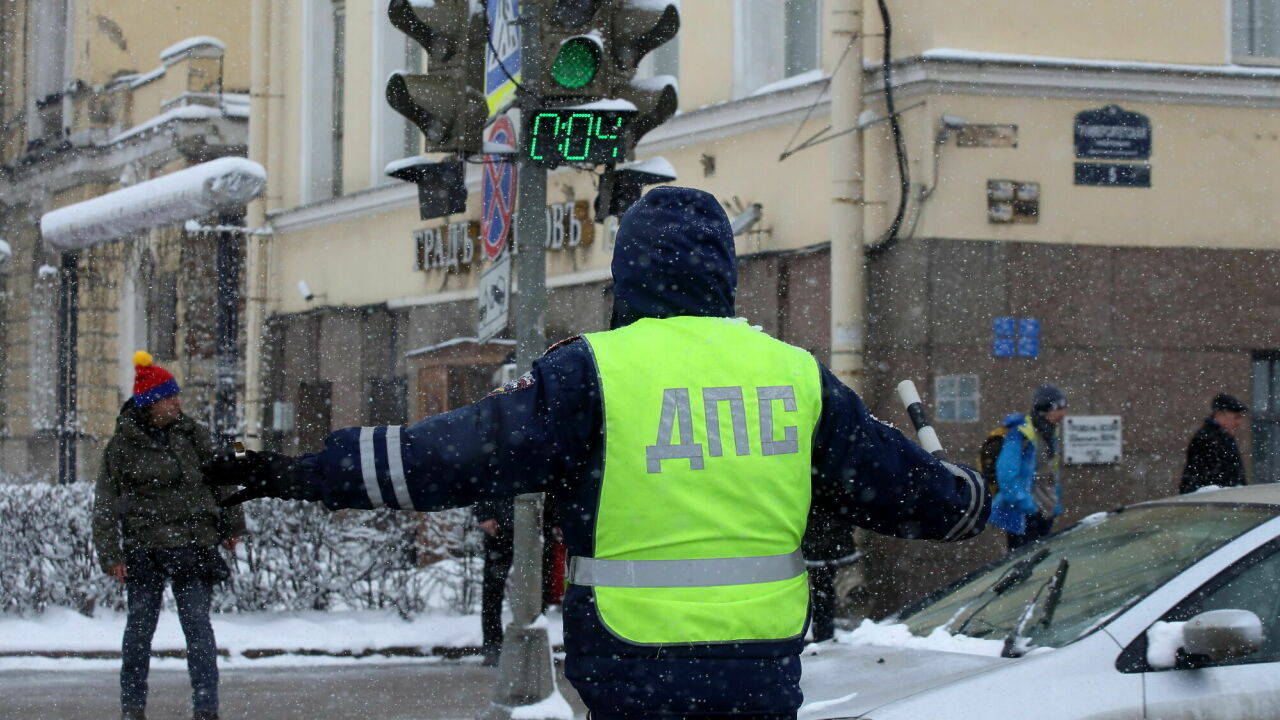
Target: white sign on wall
1091, 439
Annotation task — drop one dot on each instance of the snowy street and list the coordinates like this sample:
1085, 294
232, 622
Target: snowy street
366, 688
76, 671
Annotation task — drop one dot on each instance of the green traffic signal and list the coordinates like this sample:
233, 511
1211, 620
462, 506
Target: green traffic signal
576, 63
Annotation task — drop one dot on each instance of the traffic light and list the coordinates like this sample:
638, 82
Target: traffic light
572, 48
636, 28
593, 111
620, 187
447, 104
442, 186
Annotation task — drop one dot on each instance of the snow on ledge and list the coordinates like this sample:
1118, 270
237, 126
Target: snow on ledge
185, 112
803, 78
956, 55
218, 185
172, 52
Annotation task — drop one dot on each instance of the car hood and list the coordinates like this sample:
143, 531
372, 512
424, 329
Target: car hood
841, 681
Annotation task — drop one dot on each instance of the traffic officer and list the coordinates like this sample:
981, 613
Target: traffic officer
683, 448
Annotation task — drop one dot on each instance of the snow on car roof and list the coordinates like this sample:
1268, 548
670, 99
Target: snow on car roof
1262, 494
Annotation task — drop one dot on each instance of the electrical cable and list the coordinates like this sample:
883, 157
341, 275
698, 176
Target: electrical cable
791, 148
519, 88
904, 178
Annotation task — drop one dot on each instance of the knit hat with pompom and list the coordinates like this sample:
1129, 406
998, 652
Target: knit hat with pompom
150, 382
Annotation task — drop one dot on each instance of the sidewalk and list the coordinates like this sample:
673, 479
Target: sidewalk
64, 634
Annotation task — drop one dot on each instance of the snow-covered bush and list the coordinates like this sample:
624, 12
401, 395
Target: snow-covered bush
298, 556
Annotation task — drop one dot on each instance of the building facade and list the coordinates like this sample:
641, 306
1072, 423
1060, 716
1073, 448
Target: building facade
1086, 201
96, 96
1103, 172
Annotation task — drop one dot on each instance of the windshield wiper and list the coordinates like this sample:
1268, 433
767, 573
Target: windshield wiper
1054, 584
1012, 577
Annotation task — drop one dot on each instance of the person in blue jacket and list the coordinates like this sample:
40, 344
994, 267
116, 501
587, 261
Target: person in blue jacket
674, 265
1029, 498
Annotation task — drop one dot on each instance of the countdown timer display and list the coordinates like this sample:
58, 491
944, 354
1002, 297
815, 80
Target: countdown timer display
556, 137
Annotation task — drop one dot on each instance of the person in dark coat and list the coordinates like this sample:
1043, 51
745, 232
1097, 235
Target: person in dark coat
496, 518
674, 269
1213, 458
154, 522
828, 546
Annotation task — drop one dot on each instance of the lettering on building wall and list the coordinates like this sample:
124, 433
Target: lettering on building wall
569, 225
451, 247
455, 247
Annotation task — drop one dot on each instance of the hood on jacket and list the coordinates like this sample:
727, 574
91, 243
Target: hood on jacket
674, 257
1013, 420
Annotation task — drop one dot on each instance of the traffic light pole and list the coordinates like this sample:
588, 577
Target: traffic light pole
524, 670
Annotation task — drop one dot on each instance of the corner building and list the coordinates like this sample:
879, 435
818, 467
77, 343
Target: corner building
1103, 173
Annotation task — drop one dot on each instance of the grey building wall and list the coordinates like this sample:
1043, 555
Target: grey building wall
1150, 334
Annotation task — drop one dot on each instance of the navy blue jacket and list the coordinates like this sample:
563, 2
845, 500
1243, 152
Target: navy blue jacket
544, 433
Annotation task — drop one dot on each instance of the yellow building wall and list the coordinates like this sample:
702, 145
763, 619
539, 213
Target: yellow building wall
115, 35
370, 259
1177, 31
1213, 179
706, 53
1198, 150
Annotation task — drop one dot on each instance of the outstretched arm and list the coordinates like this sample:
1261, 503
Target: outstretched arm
868, 473
526, 437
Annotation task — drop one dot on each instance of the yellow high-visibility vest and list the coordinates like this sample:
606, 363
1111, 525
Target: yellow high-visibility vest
708, 432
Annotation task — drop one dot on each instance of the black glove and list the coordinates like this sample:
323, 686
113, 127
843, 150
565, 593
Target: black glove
263, 474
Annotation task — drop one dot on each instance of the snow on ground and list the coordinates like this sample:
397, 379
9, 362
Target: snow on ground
62, 630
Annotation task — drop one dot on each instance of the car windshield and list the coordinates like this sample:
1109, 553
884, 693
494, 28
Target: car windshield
1112, 561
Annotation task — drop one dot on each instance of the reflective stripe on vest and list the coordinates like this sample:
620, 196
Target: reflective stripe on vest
707, 459
685, 573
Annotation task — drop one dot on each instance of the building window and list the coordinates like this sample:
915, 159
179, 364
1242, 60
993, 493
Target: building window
389, 128
339, 87
42, 387
322, 92
957, 398
47, 62
1266, 417
412, 135
388, 401
774, 41
162, 316
663, 60
313, 420
802, 41
1255, 30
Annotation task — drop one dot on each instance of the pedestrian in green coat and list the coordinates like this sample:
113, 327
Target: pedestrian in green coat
155, 521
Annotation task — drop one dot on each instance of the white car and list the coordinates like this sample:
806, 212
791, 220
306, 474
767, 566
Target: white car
1167, 609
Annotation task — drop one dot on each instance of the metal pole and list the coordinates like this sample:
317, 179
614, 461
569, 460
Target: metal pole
848, 268
68, 316
227, 322
255, 265
524, 668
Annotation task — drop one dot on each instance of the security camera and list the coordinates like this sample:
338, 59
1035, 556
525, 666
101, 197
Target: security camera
746, 219
305, 291
953, 121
